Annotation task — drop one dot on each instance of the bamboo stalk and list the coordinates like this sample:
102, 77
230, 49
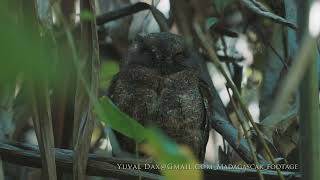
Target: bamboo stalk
43, 127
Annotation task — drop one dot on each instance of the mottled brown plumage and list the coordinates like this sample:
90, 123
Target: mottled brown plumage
160, 84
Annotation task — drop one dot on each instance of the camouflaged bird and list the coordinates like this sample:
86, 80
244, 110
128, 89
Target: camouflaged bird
161, 83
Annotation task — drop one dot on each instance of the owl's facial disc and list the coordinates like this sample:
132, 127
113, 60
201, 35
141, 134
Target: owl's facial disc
164, 52
166, 61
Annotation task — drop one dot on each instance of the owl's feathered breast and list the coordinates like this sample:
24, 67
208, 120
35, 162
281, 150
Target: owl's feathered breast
173, 103
159, 84
140, 91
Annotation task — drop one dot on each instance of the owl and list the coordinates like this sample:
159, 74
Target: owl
161, 83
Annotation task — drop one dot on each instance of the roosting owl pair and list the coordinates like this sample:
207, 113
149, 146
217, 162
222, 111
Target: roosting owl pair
165, 84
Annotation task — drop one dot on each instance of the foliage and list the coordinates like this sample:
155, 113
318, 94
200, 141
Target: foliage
86, 15
107, 71
119, 121
21, 51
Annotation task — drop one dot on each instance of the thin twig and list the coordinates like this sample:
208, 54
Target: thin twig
267, 43
293, 78
242, 123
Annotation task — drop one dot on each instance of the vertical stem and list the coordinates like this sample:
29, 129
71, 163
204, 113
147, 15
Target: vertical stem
83, 117
310, 123
309, 106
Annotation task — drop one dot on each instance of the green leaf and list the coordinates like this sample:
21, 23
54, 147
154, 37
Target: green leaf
119, 121
177, 159
22, 50
108, 70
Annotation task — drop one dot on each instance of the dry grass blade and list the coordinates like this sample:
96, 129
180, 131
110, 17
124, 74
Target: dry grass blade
221, 124
43, 127
84, 118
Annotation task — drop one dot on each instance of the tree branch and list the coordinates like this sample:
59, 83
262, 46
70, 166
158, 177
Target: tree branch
29, 155
132, 9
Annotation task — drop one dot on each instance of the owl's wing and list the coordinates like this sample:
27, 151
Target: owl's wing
120, 143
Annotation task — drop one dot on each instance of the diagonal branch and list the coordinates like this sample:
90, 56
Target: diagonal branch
132, 9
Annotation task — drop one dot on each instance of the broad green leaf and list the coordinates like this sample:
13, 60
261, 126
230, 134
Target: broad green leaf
119, 121
178, 160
